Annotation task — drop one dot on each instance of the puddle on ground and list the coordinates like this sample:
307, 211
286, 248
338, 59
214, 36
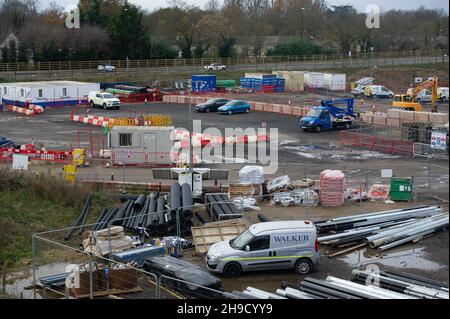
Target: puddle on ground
414, 258
16, 283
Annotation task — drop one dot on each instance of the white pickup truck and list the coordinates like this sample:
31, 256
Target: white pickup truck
103, 99
215, 67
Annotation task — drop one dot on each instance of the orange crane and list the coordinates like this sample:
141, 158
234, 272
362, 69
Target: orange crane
409, 102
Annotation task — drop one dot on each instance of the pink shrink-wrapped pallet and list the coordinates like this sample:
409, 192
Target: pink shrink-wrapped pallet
332, 188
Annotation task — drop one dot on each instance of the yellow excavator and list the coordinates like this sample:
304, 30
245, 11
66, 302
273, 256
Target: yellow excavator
409, 101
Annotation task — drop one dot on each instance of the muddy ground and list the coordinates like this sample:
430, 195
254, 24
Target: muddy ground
301, 155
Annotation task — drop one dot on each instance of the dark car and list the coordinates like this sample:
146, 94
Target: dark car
211, 105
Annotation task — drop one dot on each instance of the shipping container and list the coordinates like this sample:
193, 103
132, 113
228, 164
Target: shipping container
204, 83
47, 93
315, 80
335, 82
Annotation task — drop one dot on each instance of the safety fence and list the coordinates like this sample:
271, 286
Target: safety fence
422, 150
121, 64
6, 154
375, 143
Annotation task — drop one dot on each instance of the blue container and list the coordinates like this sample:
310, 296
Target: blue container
204, 83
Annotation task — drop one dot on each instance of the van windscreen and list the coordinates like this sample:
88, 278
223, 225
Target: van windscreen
242, 240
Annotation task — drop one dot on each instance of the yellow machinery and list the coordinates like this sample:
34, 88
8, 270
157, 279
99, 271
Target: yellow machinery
408, 102
79, 157
70, 173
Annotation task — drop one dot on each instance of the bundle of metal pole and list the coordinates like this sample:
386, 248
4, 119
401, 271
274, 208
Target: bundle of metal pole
397, 285
415, 279
261, 294
326, 288
371, 292
348, 234
417, 228
295, 294
350, 222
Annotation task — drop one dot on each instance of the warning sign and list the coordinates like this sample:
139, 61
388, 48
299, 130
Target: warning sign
439, 140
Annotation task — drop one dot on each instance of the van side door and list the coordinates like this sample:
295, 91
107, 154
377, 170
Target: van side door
258, 256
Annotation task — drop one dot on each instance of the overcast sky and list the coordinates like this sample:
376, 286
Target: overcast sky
359, 4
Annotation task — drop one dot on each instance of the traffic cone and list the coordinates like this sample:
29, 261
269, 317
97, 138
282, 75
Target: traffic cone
374, 109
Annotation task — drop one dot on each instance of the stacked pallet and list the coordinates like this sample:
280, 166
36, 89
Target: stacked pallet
332, 188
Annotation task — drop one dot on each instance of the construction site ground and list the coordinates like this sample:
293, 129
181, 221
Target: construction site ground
301, 155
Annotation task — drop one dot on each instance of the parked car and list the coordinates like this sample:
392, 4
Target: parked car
215, 67
443, 94
378, 91
236, 106
264, 246
106, 67
424, 96
211, 105
104, 100
358, 91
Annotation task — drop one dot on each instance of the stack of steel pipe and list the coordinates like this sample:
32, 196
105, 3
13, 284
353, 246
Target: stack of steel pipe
335, 288
221, 207
411, 285
383, 230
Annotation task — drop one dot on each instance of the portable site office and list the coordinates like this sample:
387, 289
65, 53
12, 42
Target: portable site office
47, 93
141, 145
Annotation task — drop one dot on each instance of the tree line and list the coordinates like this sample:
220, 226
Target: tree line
117, 29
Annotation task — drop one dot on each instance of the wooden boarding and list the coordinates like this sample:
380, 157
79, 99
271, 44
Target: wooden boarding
205, 236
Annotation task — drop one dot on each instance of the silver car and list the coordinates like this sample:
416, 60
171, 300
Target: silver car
264, 246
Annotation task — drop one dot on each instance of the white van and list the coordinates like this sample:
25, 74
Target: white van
264, 246
379, 91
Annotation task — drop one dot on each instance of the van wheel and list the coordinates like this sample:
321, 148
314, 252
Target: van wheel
347, 126
318, 129
104, 106
232, 270
303, 266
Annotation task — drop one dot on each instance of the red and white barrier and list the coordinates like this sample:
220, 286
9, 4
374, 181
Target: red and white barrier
99, 121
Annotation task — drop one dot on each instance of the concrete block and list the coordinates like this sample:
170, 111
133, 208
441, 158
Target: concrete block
367, 118
394, 113
439, 118
379, 120
421, 117
276, 108
393, 122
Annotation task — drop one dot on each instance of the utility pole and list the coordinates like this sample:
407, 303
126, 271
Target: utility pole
302, 10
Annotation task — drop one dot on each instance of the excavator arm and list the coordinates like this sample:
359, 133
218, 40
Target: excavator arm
432, 85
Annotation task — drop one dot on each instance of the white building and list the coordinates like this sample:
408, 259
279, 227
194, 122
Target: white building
48, 93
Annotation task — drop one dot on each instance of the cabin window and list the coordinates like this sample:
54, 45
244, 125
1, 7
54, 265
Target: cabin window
64, 91
5, 91
22, 92
40, 93
260, 243
125, 139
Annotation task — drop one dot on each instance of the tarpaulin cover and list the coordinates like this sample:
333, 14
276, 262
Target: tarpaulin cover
180, 269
